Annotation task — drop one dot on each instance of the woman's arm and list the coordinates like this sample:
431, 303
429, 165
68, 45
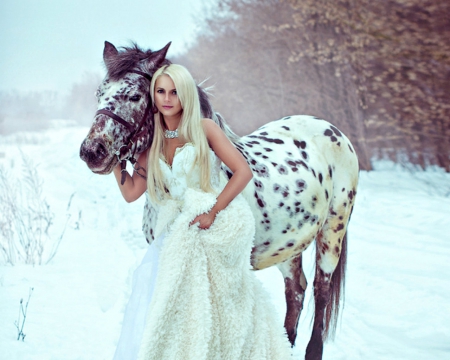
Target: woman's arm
134, 186
232, 158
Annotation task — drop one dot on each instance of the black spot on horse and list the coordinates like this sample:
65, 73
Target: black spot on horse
339, 227
267, 243
350, 148
260, 202
290, 244
300, 144
328, 132
336, 250
264, 133
333, 138
335, 130
285, 127
302, 163
301, 184
274, 164
305, 155
282, 169
286, 118
276, 141
320, 178
268, 149
259, 185
261, 170
290, 162
330, 171
326, 194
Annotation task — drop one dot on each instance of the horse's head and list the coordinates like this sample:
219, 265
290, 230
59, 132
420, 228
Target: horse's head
123, 125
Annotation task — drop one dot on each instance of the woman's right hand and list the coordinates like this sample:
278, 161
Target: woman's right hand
134, 186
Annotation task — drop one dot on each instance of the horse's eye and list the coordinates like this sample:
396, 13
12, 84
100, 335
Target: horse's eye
135, 97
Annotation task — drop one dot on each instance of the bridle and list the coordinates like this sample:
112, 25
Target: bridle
122, 152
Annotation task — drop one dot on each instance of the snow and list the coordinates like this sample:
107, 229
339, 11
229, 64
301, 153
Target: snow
397, 286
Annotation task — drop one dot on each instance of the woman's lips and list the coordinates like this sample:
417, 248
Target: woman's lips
167, 107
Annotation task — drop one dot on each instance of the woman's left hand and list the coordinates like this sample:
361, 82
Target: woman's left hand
205, 220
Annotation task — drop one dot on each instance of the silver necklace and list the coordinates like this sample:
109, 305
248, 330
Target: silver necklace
171, 134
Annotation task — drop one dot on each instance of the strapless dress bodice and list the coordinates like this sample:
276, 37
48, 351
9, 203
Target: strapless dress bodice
184, 173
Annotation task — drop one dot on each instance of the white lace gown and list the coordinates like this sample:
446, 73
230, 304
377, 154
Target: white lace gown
194, 295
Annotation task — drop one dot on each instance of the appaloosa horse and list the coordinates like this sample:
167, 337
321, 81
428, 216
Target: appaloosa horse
304, 185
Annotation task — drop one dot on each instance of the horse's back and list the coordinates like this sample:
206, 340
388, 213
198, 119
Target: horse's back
301, 165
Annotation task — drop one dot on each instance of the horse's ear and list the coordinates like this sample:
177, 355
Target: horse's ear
156, 58
109, 51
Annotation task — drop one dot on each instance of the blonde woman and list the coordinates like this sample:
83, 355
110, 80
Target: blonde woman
194, 295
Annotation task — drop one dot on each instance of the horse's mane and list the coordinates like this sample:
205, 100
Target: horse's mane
208, 112
129, 58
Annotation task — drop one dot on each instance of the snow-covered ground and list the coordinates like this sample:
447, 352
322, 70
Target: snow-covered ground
397, 290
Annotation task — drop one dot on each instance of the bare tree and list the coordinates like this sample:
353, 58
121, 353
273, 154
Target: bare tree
378, 70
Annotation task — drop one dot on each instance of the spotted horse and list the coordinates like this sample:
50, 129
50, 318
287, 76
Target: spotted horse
303, 189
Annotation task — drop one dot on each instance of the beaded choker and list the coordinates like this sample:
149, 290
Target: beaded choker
171, 134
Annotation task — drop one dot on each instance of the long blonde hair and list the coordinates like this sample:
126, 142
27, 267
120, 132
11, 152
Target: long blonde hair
190, 130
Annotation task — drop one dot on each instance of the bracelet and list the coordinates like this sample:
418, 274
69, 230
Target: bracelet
123, 170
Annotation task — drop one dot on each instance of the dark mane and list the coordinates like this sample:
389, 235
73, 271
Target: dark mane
129, 58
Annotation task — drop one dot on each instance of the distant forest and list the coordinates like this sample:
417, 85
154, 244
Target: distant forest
379, 70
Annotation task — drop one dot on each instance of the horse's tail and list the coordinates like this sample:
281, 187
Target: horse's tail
336, 293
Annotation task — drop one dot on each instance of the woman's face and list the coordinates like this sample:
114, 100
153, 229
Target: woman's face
166, 98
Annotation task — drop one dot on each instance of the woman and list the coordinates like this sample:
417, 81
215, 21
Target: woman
194, 296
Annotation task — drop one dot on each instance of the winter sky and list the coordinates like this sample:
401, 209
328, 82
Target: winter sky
50, 44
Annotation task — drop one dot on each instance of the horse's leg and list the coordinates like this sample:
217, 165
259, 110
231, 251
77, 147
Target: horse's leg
331, 257
295, 286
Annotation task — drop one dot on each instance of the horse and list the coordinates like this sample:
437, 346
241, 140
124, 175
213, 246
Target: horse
304, 186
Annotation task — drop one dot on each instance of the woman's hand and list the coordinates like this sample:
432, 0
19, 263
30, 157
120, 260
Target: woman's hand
205, 220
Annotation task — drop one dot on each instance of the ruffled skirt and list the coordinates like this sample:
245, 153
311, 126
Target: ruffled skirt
196, 297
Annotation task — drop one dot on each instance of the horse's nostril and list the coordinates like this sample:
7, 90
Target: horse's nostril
101, 151
93, 152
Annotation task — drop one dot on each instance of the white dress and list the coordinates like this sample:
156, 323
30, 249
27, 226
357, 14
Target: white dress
194, 295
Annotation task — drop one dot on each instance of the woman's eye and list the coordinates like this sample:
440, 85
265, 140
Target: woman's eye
135, 97
174, 92
159, 91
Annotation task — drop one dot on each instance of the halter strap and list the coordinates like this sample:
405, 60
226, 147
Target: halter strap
115, 117
124, 149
